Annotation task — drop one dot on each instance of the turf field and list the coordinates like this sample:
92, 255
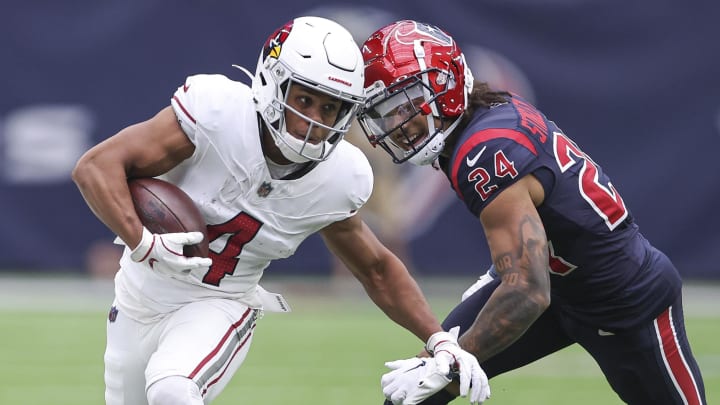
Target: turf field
329, 350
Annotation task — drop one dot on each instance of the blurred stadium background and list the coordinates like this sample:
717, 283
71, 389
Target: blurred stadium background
635, 84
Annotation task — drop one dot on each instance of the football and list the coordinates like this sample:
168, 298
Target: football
165, 208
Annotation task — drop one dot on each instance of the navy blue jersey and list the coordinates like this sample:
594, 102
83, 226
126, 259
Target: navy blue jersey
602, 269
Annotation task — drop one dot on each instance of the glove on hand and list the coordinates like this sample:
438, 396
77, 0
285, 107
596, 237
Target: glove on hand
480, 283
450, 358
164, 253
413, 380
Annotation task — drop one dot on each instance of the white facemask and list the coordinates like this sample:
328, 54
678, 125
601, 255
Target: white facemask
290, 146
429, 152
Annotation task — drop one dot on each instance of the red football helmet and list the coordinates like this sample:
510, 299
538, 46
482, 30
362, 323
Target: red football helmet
413, 68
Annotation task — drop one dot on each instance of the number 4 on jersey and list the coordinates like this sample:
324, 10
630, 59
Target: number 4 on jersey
242, 229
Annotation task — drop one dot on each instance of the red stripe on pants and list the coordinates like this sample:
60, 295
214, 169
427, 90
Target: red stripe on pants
677, 366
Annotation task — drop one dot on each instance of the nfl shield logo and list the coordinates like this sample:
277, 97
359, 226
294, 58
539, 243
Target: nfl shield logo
264, 189
112, 315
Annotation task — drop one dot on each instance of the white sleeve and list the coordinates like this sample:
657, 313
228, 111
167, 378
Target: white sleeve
362, 178
200, 102
183, 103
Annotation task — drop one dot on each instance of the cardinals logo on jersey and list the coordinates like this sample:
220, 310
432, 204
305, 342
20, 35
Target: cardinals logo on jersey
273, 46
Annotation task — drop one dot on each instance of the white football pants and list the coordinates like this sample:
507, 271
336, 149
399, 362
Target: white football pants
205, 341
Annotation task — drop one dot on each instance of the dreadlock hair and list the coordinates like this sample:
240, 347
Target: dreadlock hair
481, 96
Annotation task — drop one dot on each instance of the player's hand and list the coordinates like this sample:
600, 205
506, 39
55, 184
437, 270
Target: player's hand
164, 253
450, 358
481, 282
413, 380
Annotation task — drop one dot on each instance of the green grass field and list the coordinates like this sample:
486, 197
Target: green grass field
324, 352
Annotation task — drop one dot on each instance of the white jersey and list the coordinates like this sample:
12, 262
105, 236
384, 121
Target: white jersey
252, 218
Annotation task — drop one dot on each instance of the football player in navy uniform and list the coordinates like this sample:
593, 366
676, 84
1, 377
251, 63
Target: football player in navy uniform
569, 263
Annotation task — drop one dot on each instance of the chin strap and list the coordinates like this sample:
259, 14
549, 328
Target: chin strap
426, 155
451, 127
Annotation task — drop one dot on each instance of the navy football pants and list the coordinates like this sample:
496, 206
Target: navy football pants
650, 364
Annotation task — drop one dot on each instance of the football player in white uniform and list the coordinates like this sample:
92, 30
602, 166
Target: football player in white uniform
267, 166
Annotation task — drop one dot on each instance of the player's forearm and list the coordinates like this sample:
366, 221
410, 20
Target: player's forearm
107, 196
520, 257
506, 316
397, 294
522, 296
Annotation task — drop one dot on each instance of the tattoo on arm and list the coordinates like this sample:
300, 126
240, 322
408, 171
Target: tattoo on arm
520, 299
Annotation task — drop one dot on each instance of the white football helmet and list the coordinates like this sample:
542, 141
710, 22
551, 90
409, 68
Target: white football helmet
316, 53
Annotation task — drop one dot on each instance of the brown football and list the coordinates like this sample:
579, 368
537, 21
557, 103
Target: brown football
165, 208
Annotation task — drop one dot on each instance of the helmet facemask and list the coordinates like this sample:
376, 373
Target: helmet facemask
321, 56
303, 150
421, 66
388, 118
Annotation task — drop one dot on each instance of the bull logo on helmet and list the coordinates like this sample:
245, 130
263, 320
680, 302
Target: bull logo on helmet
274, 44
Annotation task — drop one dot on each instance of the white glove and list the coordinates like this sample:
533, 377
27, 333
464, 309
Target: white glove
451, 358
484, 280
164, 253
413, 380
